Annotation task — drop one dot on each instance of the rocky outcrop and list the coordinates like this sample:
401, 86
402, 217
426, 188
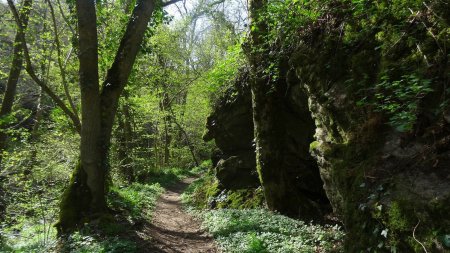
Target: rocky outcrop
374, 78
297, 179
231, 127
387, 180
366, 94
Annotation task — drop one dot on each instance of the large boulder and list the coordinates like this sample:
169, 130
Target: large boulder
230, 125
297, 179
236, 172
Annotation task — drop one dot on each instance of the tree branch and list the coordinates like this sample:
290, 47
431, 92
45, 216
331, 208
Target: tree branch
65, 18
120, 70
164, 4
32, 73
60, 62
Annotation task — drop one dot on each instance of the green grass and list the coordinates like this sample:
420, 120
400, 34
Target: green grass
200, 192
28, 236
259, 231
168, 176
134, 203
80, 242
136, 200
131, 204
204, 191
243, 226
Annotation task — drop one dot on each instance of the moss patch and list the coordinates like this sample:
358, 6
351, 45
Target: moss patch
204, 193
240, 199
74, 201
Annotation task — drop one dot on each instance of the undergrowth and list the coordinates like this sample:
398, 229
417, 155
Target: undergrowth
259, 230
200, 192
252, 229
132, 204
170, 176
136, 200
205, 193
33, 231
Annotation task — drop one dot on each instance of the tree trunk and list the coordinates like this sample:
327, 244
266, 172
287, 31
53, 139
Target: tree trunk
13, 78
85, 196
167, 139
186, 137
164, 105
34, 135
10, 93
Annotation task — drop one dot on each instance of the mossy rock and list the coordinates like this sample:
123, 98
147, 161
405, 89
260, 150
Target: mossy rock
240, 199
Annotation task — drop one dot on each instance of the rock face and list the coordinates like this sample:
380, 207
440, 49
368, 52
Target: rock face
231, 127
390, 186
369, 100
297, 181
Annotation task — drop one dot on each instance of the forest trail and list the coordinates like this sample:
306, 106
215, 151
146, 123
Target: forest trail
172, 229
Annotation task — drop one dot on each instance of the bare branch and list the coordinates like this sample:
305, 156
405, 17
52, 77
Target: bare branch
164, 4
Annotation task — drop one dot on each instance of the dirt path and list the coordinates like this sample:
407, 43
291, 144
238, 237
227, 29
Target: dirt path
173, 230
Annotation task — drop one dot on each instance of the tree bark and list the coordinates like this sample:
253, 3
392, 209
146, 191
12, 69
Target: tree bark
60, 61
85, 196
186, 137
164, 105
34, 134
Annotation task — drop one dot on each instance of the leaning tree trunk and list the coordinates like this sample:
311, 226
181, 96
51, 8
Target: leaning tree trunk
167, 136
84, 198
164, 107
14, 73
10, 93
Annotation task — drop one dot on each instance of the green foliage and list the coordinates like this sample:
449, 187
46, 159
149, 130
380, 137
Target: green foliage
201, 192
400, 99
170, 90
28, 235
408, 36
240, 199
221, 76
397, 221
386, 53
204, 193
258, 230
285, 18
137, 200
134, 203
80, 242
168, 176
255, 245
36, 174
